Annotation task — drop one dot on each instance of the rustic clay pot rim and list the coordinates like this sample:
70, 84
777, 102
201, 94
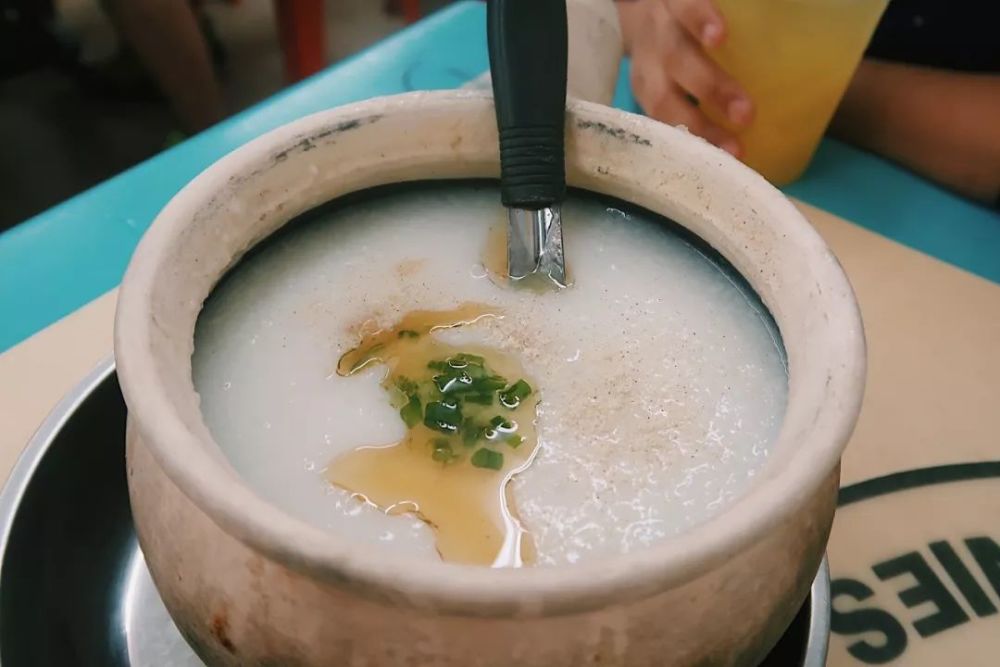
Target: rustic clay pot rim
816, 312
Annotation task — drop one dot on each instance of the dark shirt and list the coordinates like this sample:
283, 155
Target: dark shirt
953, 34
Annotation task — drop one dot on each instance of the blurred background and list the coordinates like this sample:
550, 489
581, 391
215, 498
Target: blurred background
78, 103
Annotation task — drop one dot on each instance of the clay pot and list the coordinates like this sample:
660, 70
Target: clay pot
248, 584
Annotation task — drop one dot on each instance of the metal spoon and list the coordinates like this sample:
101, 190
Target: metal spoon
528, 53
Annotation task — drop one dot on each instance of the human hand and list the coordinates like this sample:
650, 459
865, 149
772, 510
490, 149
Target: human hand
673, 78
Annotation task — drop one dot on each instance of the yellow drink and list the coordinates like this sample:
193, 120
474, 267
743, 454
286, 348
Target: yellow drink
795, 59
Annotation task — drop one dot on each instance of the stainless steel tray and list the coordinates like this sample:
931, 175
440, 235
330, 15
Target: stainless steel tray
74, 589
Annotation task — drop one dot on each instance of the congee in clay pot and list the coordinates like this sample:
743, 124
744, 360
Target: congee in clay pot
353, 442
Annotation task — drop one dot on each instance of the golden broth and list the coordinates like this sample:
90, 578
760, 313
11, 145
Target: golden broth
453, 476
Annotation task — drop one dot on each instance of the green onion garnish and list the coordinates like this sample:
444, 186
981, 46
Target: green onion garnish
512, 396
453, 383
462, 360
410, 413
491, 383
471, 433
501, 423
487, 458
444, 416
442, 451
408, 333
462, 380
406, 386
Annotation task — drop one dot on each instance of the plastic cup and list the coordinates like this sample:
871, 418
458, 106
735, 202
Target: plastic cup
795, 59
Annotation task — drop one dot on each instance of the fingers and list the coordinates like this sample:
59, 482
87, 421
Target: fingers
673, 77
677, 108
700, 19
696, 73
667, 101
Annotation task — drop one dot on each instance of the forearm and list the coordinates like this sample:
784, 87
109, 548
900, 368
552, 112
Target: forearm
942, 124
165, 35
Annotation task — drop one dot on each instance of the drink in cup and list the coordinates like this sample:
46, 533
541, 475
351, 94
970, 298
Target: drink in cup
795, 59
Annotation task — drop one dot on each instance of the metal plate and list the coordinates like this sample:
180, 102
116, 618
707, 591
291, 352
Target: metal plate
74, 589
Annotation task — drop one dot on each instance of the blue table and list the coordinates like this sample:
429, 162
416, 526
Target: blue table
63, 258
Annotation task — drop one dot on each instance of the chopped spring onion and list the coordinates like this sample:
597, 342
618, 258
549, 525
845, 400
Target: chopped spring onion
444, 416
410, 413
442, 451
487, 458
512, 396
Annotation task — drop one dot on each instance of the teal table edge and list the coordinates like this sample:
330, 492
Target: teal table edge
65, 257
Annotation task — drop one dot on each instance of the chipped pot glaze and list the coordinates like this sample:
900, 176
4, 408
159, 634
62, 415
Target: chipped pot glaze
250, 585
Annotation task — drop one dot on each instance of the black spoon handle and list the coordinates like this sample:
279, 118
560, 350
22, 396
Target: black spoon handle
528, 51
